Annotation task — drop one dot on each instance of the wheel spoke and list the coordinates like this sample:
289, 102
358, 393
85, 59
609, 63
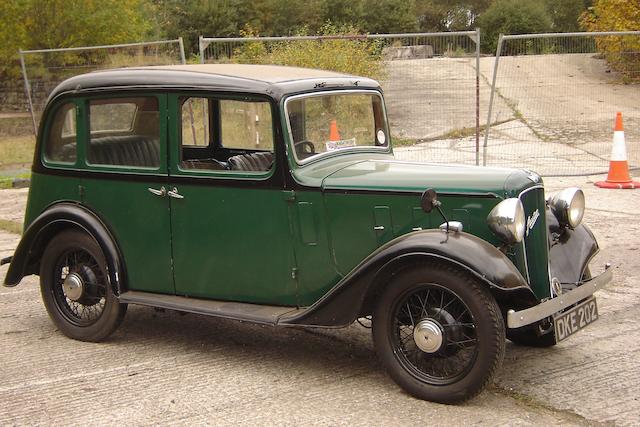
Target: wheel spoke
447, 310
410, 315
87, 309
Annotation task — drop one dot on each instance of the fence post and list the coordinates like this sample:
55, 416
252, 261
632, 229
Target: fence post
201, 48
27, 88
477, 96
182, 55
491, 98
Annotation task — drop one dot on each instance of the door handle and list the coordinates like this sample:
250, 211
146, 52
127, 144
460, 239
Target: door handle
161, 192
174, 193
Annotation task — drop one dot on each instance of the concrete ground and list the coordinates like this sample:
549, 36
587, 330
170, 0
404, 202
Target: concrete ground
552, 113
165, 368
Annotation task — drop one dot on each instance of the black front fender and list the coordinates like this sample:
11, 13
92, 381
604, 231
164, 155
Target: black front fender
26, 258
569, 251
345, 302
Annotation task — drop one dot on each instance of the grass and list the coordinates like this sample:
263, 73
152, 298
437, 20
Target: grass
10, 226
463, 132
398, 141
16, 150
6, 180
16, 153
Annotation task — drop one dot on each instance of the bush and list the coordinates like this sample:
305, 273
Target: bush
621, 52
357, 56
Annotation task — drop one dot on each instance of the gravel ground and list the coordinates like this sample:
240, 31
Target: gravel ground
166, 368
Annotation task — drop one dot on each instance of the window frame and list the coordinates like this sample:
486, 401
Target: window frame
319, 156
46, 130
215, 137
161, 169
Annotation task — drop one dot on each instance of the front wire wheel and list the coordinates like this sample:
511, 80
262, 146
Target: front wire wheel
75, 287
438, 332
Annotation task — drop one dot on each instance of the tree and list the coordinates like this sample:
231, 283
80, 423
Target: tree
621, 52
565, 14
512, 17
13, 35
192, 18
390, 16
449, 15
33, 24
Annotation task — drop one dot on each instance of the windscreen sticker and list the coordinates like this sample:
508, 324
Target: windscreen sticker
338, 145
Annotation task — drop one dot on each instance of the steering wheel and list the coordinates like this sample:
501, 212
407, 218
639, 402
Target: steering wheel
304, 148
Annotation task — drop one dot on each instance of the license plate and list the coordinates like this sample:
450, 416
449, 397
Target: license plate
571, 321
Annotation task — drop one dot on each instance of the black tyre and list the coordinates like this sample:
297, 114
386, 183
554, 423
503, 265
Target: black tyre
75, 288
438, 332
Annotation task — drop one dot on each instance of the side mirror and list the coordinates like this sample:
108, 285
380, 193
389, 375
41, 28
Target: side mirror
429, 200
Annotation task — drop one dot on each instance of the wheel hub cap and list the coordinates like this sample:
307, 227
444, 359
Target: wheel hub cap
427, 335
73, 286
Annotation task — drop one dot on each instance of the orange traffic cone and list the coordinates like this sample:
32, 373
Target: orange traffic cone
618, 176
334, 135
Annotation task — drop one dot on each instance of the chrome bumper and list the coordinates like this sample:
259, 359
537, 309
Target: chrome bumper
517, 319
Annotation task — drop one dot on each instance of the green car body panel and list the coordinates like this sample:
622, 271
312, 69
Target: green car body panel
286, 237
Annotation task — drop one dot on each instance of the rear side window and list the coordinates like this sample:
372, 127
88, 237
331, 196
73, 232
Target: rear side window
60, 145
124, 132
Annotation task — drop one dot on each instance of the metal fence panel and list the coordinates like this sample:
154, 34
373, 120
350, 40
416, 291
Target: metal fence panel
44, 69
554, 100
431, 84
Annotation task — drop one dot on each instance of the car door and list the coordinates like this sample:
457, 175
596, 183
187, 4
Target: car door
230, 229
125, 169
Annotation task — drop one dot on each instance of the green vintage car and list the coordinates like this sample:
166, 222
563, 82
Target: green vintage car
271, 195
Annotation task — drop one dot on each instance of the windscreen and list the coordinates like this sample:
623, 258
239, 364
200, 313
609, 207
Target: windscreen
326, 123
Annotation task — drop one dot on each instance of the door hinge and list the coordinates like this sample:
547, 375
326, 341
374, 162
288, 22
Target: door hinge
289, 195
294, 273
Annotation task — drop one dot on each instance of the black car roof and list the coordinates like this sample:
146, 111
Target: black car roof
273, 80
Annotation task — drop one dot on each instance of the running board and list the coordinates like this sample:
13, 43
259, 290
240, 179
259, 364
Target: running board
255, 313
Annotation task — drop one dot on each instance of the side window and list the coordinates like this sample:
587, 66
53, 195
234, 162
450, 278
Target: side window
60, 145
226, 135
195, 122
124, 132
246, 125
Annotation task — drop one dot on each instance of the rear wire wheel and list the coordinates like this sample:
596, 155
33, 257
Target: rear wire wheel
438, 332
76, 290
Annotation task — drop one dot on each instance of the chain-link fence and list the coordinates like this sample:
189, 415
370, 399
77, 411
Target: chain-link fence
44, 69
554, 101
431, 81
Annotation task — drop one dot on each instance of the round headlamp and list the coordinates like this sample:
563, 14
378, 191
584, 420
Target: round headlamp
507, 220
568, 206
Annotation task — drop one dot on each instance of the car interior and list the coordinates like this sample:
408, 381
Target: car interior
126, 132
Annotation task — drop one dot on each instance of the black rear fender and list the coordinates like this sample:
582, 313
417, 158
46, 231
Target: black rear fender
26, 259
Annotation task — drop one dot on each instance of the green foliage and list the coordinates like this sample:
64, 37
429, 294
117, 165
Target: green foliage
390, 16
621, 52
356, 56
512, 17
449, 15
33, 24
13, 35
565, 14
224, 18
